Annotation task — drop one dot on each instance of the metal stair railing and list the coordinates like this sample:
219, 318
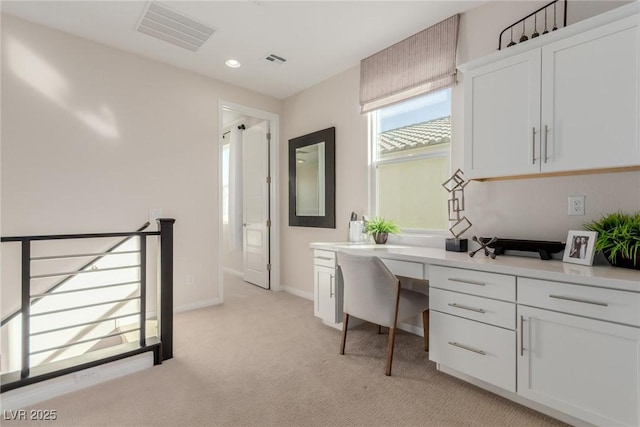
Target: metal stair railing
162, 348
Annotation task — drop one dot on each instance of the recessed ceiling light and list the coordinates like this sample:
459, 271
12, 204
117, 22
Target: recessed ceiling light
233, 63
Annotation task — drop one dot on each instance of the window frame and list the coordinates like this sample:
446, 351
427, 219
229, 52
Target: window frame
372, 124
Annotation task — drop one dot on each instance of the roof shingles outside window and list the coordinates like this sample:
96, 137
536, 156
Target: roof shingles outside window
419, 135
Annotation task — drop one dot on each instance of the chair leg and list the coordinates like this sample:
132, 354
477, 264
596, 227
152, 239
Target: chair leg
392, 336
379, 329
425, 325
345, 323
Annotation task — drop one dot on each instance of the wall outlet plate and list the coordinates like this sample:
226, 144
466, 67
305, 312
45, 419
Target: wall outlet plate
576, 205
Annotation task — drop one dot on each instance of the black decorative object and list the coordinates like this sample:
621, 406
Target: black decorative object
455, 186
542, 247
484, 246
524, 37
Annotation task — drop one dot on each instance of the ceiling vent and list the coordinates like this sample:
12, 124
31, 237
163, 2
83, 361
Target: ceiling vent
171, 26
275, 59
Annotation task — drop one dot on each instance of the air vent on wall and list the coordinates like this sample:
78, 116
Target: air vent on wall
171, 26
275, 59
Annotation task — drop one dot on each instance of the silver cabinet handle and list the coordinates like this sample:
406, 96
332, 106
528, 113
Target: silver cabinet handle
585, 301
521, 335
468, 282
331, 293
533, 146
546, 142
324, 258
466, 307
464, 347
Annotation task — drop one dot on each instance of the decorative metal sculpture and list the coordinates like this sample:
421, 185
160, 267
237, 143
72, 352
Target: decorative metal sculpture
544, 9
455, 186
484, 246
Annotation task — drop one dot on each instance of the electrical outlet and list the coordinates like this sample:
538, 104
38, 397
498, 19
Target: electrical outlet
155, 213
576, 205
191, 279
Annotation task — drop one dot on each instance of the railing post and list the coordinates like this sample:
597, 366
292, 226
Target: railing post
26, 307
165, 293
143, 290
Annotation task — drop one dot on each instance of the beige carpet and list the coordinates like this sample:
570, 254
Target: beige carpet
262, 359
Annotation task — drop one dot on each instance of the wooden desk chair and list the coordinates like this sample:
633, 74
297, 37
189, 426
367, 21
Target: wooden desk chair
373, 293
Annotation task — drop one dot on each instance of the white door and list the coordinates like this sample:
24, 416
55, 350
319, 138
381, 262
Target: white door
325, 298
590, 90
255, 195
583, 367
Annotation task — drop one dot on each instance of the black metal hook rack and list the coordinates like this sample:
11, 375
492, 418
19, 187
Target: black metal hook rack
535, 34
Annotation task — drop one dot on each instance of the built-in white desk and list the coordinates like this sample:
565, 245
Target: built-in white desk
560, 338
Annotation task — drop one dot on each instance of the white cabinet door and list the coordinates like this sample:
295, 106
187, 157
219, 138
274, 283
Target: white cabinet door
502, 117
590, 106
583, 367
325, 293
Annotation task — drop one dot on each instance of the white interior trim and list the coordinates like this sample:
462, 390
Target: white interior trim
297, 292
45, 390
274, 148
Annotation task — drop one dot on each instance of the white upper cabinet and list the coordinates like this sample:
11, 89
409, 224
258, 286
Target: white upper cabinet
590, 99
571, 104
502, 117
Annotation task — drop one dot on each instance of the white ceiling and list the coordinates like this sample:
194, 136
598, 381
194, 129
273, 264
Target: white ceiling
319, 39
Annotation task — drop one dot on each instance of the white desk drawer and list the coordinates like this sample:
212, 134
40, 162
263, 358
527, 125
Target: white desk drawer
598, 303
490, 285
324, 258
498, 313
482, 351
405, 268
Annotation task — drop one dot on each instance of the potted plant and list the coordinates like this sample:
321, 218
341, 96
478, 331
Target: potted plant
380, 228
618, 238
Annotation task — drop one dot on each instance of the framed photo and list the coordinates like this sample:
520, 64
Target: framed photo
580, 247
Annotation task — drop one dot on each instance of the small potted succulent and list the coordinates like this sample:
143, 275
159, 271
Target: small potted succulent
380, 228
618, 238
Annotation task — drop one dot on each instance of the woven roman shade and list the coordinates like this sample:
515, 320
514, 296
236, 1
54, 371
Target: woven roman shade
422, 63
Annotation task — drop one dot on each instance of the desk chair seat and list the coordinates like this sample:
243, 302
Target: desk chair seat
373, 293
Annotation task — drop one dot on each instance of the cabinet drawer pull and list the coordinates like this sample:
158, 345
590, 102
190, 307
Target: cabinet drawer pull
521, 335
585, 301
331, 293
466, 307
533, 146
468, 282
546, 142
324, 258
464, 347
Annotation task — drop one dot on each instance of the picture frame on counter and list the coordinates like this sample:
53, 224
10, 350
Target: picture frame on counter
580, 247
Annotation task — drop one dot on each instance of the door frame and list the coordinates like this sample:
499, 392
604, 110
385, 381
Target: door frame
274, 211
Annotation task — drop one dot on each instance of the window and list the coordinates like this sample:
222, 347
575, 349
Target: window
411, 146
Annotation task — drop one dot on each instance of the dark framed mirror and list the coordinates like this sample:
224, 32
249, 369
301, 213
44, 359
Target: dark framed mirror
312, 179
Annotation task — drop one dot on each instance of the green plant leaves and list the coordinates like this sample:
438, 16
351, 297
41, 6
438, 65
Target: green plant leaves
618, 235
380, 225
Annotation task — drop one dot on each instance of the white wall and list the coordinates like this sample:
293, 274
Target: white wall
93, 137
331, 103
531, 208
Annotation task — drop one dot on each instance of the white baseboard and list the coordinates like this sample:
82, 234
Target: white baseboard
413, 329
45, 390
297, 292
233, 272
196, 305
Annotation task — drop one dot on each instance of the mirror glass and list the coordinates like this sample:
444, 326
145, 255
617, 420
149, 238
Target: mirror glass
310, 181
